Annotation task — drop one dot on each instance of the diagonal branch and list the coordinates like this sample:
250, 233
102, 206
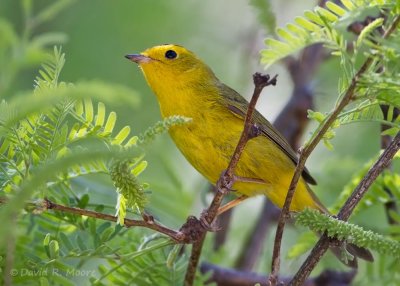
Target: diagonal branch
345, 212
304, 154
226, 179
291, 123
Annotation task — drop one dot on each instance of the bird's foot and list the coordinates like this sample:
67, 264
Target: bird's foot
225, 183
212, 227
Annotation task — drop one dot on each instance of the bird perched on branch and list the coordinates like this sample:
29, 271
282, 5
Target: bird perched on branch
185, 85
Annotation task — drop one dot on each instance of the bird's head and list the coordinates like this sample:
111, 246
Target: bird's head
172, 66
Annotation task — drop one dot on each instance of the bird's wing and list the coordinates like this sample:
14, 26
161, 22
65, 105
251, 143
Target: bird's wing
238, 106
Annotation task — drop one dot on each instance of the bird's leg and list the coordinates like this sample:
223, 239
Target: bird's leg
247, 180
231, 204
207, 226
255, 131
224, 185
240, 199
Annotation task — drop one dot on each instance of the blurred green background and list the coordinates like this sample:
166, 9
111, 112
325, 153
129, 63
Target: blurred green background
226, 35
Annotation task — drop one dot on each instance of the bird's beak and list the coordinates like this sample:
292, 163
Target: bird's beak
138, 58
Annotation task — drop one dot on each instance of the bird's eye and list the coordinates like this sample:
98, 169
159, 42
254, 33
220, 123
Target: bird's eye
170, 54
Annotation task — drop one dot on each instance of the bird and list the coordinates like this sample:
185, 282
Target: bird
185, 85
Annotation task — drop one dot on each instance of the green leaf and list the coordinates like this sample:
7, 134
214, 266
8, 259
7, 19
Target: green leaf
365, 111
105, 236
318, 116
121, 209
139, 168
88, 110
304, 23
101, 113
112, 118
79, 107
121, 136
335, 8
173, 254
349, 4
312, 16
83, 201
46, 242
54, 249
391, 131
328, 145
326, 14
66, 241
368, 30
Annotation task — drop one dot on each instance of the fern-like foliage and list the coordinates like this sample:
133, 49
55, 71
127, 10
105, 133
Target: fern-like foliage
378, 85
130, 192
161, 127
321, 25
60, 138
319, 222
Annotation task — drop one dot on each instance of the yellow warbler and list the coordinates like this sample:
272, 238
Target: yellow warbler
186, 86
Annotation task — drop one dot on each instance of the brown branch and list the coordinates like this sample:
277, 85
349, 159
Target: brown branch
305, 153
229, 277
227, 179
151, 224
347, 209
291, 123
369, 178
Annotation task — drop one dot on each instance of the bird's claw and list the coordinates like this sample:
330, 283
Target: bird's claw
225, 183
213, 227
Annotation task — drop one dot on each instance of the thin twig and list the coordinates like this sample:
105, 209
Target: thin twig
291, 123
226, 179
347, 209
305, 153
194, 260
151, 224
